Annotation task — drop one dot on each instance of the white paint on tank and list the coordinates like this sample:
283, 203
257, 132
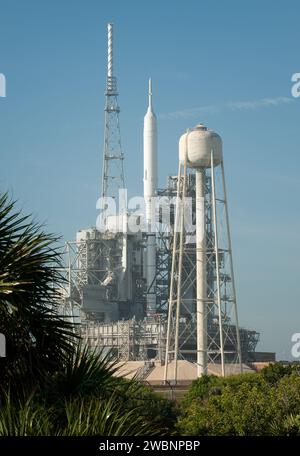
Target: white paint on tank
197, 144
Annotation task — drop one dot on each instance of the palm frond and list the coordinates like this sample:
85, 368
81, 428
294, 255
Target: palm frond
38, 340
85, 372
104, 418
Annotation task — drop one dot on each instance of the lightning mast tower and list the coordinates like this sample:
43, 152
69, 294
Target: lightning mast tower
113, 168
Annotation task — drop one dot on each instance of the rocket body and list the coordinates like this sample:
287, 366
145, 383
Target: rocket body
150, 189
150, 156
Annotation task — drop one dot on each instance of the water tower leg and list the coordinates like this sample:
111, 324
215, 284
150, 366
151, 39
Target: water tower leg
181, 205
171, 301
201, 274
239, 351
217, 258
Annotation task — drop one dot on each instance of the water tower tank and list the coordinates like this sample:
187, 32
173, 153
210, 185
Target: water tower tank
197, 144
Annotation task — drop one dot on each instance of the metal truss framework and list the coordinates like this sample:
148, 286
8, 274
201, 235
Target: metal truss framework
164, 241
113, 158
89, 262
128, 340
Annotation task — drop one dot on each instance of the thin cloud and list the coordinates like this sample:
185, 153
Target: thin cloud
229, 106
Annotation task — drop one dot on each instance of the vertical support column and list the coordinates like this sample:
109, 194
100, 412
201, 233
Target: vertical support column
238, 340
201, 274
180, 263
171, 293
216, 248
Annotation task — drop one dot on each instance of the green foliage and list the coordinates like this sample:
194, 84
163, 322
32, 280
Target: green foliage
211, 385
274, 372
27, 418
90, 375
289, 426
155, 409
95, 403
202, 387
85, 417
267, 403
104, 417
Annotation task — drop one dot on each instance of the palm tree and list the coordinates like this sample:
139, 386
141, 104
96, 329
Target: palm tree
38, 341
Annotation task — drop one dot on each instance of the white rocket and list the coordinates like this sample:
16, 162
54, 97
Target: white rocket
150, 188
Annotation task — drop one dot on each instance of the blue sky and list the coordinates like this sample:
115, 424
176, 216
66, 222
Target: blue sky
227, 64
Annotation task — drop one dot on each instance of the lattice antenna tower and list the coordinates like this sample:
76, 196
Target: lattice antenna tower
113, 158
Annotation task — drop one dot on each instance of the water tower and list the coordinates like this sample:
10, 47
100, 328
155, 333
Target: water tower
202, 312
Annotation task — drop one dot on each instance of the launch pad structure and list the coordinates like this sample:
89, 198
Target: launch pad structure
112, 318
120, 282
